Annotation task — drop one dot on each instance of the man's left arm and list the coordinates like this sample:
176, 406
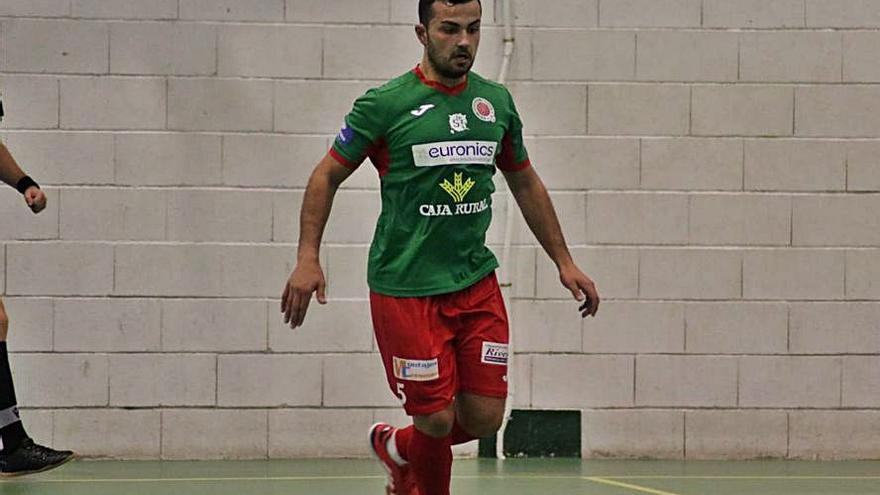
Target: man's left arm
537, 208
12, 174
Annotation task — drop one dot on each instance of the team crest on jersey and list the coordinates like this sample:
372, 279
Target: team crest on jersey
458, 123
484, 110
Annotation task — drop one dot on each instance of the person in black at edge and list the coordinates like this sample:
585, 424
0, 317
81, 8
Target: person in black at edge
19, 454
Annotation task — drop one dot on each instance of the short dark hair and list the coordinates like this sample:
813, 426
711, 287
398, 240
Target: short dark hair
426, 8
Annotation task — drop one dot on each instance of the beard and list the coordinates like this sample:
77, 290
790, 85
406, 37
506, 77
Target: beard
448, 67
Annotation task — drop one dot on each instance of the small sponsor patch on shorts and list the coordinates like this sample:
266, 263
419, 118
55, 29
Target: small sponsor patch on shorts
494, 353
416, 370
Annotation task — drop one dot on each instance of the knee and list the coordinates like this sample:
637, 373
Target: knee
437, 425
482, 423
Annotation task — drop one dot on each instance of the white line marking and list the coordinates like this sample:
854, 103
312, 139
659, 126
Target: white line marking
628, 486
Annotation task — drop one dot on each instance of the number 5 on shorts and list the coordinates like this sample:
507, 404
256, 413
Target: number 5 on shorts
400, 393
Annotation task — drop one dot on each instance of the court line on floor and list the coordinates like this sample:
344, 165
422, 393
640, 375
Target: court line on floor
628, 486
743, 477
198, 480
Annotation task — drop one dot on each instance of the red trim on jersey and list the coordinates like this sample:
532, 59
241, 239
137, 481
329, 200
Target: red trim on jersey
505, 159
519, 166
380, 156
450, 90
343, 160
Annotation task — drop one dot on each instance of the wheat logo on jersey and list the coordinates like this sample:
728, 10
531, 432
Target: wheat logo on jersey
416, 370
457, 123
484, 110
455, 153
458, 189
345, 135
494, 353
422, 109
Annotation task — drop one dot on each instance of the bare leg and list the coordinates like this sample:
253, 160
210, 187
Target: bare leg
479, 416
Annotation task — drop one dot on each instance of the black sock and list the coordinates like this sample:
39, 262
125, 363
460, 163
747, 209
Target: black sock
12, 431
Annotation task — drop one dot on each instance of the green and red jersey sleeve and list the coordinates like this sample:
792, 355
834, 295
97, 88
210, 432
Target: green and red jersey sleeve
513, 156
363, 128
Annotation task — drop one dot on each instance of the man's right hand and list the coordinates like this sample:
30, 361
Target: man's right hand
306, 278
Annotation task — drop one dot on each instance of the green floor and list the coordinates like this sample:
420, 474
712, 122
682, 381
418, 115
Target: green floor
470, 477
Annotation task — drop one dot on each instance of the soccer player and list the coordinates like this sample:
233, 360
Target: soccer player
436, 134
18, 453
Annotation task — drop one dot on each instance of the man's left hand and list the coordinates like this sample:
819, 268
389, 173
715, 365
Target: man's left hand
35, 199
582, 288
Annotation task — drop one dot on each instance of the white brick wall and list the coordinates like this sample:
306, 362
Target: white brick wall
281, 52
68, 158
109, 103
107, 325
55, 46
35, 314
833, 434
791, 57
118, 433
692, 164
168, 160
163, 48
204, 433
742, 110
714, 164
125, 9
687, 56
20, 223
753, 13
583, 55
32, 100
650, 13
736, 434
843, 13
650, 109
41, 8
686, 381
635, 433
232, 10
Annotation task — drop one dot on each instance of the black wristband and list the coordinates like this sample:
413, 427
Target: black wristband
26, 183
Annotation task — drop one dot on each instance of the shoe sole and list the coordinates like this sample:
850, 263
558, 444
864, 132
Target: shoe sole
42, 470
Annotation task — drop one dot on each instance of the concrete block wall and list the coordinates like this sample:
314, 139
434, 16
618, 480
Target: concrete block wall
714, 163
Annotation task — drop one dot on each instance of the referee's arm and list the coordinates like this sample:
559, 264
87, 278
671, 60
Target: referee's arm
12, 174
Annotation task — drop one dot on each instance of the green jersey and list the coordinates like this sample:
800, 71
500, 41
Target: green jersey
436, 150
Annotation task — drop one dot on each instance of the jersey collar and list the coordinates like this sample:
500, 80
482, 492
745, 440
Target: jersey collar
450, 90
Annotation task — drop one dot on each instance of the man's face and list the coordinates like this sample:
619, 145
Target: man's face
452, 37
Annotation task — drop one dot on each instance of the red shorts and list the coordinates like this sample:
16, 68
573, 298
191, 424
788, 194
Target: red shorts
435, 346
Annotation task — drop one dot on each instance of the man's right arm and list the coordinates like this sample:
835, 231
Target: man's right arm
308, 277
